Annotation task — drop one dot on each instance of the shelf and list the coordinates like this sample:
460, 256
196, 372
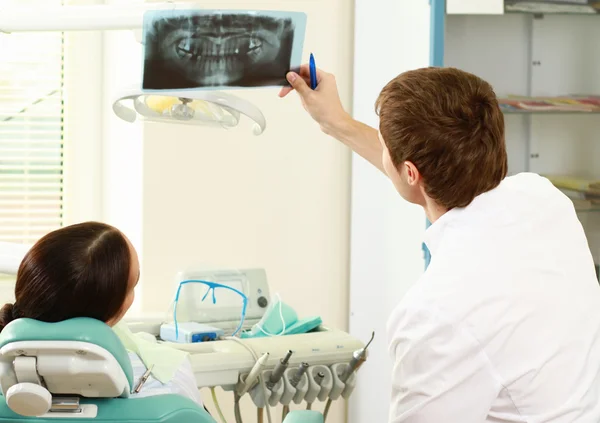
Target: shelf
538, 54
583, 192
551, 8
550, 105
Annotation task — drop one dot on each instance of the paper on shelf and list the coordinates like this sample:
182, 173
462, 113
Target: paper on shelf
575, 183
475, 7
572, 6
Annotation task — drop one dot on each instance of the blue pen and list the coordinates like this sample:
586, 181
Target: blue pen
313, 72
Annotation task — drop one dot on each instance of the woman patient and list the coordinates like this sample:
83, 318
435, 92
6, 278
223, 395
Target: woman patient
87, 270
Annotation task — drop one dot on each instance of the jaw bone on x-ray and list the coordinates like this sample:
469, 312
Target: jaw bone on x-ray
191, 49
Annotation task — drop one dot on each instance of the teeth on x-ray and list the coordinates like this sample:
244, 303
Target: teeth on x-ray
195, 49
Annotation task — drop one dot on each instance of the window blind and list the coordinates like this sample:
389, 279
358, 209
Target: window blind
31, 134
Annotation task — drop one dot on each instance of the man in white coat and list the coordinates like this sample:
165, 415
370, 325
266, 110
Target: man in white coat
504, 325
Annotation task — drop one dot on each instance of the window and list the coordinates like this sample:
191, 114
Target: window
31, 135
47, 79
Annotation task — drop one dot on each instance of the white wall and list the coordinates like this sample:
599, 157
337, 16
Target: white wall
390, 37
83, 129
122, 146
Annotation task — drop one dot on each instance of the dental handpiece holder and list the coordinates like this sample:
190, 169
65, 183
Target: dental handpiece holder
273, 394
294, 388
308, 389
318, 390
342, 388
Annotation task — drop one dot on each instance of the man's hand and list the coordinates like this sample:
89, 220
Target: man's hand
323, 104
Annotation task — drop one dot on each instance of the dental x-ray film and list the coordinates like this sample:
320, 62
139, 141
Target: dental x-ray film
192, 49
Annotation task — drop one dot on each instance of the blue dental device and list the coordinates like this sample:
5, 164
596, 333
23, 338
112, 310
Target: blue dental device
189, 332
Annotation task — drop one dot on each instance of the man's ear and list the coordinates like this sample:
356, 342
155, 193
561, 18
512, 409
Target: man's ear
412, 173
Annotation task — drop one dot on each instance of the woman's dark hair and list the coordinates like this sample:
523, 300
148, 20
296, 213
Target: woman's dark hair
80, 270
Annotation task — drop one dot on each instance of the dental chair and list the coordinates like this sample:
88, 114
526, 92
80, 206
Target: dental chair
78, 370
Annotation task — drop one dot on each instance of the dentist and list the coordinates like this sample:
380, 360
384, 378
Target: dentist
504, 325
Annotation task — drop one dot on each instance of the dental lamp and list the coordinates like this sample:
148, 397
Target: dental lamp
210, 108
197, 107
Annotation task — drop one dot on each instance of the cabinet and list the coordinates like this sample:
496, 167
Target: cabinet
545, 68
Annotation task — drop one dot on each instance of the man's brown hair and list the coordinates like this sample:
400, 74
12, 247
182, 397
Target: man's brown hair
449, 125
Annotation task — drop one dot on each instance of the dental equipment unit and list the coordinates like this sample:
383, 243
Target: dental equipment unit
319, 365
224, 361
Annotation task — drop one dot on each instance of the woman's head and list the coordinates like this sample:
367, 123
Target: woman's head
84, 270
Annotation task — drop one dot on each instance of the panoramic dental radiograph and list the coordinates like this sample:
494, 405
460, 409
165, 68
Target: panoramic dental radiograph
202, 48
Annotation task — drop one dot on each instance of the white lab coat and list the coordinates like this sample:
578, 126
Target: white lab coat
504, 326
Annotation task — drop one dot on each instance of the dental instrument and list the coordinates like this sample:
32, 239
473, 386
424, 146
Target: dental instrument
358, 358
313, 72
143, 380
261, 380
248, 383
278, 371
295, 379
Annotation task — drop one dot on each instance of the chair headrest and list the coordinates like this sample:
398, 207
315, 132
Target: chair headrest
80, 357
80, 329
